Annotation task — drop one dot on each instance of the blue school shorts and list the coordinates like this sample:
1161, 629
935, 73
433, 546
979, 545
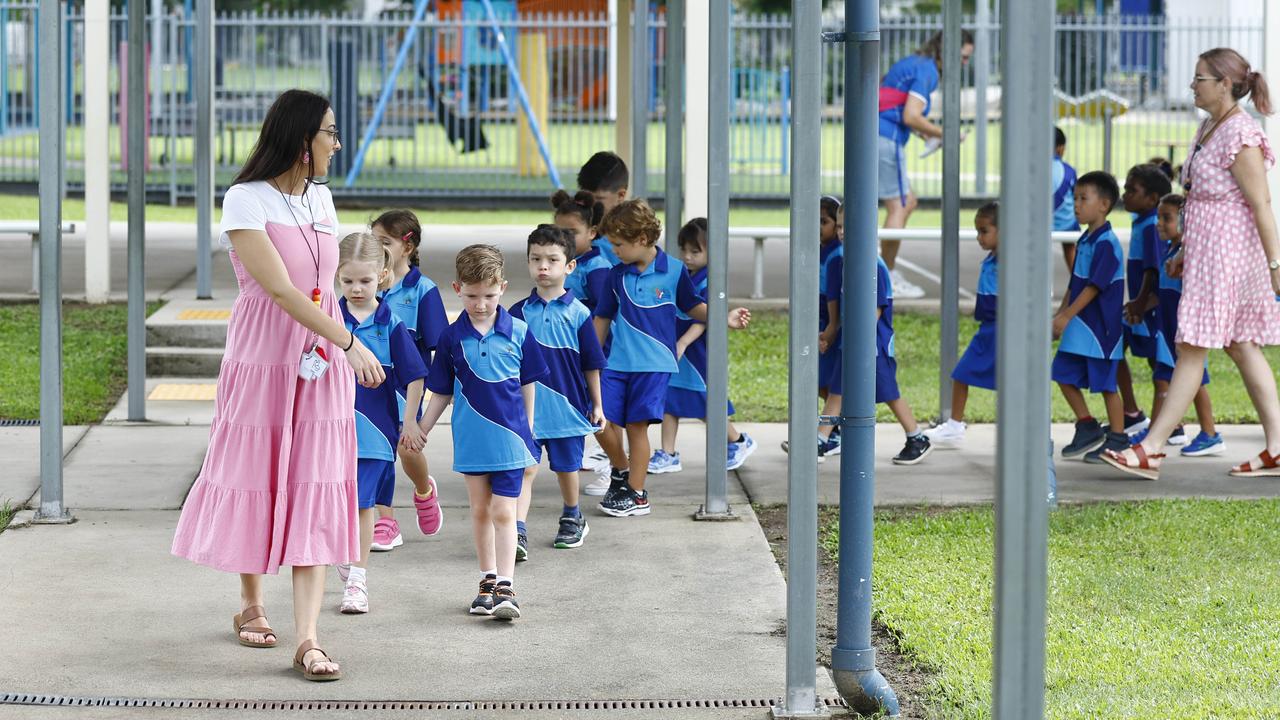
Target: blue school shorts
1093, 374
829, 368
891, 170
564, 454
1139, 345
375, 482
886, 379
977, 367
1164, 373
633, 397
685, 403
505, 483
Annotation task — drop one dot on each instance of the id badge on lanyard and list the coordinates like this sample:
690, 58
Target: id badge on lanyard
314, 363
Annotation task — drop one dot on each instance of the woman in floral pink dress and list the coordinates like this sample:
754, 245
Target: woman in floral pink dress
1230, 262
278, 486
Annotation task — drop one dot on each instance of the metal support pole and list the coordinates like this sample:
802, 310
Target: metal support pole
204, 149
757, 270
640, 99
853, 659
1106, 136
157, 46
717, 503
950, 325
137, 184
50, 56
673, 197
981, 79
1022, 367
801, 699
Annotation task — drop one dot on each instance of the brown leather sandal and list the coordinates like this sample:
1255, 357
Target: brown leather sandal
1134, 460
306, 647
240, 624
1264, 465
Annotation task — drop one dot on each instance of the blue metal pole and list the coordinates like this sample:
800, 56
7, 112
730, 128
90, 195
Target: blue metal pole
4, 72
187, 12
853, 659
785, 125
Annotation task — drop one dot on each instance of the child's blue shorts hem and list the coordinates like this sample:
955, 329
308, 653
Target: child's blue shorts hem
886, 379
633, 397
686, 403
1143, 346
1164, 373
505, 483
1093, 374
375, 482
829, 369
977, 367
564, 454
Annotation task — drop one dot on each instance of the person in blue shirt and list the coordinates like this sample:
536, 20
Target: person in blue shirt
1143, 187
606, 177
415, 299
579, 215
639, 315
687, 390
977, 367
1089, 322
904, 106
381, 411
1064, 189
568, 406
488, 364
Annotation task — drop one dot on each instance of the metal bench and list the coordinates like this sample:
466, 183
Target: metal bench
31, 228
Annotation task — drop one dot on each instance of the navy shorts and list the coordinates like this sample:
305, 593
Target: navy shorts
1164, 373
633, 397
829, 368
686, 403
1093, 374
977, 367
564, 454
375, 482
506, 483
1143, 346
886, 379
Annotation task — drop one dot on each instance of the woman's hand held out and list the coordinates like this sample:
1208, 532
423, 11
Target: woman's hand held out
367, 368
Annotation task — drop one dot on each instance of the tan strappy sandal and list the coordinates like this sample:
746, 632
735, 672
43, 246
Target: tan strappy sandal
306, 647
240, 624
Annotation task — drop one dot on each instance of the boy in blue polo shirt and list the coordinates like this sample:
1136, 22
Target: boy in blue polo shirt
646, 290
487, 363
568, 404
1064, 187
606, 177
362, 268
1089, 322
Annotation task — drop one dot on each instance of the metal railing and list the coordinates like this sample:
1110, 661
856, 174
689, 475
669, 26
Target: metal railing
451, 128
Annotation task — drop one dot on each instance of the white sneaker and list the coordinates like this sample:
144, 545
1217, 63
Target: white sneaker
355, 599
949, 434
600, 485
594, 458
904, 288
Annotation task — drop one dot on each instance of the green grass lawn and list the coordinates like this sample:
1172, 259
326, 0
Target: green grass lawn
1156, 610
94, 352
758, 372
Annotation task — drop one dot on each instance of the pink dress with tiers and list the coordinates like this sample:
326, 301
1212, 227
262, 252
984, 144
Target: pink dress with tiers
278, 486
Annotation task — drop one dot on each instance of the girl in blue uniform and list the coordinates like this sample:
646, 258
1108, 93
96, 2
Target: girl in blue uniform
415, 300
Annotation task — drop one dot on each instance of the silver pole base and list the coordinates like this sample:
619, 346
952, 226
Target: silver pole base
728, 514
820, 710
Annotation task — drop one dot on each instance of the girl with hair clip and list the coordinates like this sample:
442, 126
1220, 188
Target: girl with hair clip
579, 215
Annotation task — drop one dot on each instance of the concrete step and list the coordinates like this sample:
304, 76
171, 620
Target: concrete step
189, 324
192, 362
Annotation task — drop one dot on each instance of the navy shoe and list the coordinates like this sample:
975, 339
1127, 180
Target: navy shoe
505, 606
626, 503
522, 547
1089, 437
483, 604
572, 532
1134, 423
914, 451
1115, 441
617, 481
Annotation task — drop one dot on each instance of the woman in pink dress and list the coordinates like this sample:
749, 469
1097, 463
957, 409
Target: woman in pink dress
1230, 262
278, 486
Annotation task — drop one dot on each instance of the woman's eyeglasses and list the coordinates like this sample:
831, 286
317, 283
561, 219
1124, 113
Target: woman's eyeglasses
333, 133
1204, 78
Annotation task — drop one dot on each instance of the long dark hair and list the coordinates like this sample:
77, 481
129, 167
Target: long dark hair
291, 124
932, 48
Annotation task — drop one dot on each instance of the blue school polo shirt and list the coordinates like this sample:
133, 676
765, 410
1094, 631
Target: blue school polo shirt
1167, 310
484, 374
884, 301
605, 247
643, 308
590, 277
1144, 254
569, 344
984, 308
379, 410
1064, 199
1096, 331
912, 75
830, 279
692, 374
416, 301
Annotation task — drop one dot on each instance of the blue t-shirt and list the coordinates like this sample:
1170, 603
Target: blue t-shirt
1145, 253
1167, 310
884, 301
1096, 331
692, 374
590, 277
830, 279
912, 75
416, 301
484, 374
984, 308
642, 306
1064, 199
569, 345
379, 410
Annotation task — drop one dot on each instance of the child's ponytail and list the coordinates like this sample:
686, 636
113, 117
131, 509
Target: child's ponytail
402, 224
582, 205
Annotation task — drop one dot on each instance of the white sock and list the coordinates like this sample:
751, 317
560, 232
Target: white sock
488, 573
504, 579
357, 576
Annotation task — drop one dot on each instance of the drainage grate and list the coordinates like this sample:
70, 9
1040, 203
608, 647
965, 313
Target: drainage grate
413, 705
6, 422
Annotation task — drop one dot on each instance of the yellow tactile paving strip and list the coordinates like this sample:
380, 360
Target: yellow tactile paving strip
204, 315
180, 391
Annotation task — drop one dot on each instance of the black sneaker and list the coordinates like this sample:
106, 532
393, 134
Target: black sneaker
626, 502
1116, 441
572, 532
1135, 423
504, 602
1089, 437
618, 480
522, 547
483, 604
914, 451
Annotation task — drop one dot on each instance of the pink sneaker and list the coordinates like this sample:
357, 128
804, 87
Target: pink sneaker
386, 535
430, 516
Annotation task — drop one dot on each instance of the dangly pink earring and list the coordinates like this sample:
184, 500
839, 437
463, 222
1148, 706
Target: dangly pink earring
306, 157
